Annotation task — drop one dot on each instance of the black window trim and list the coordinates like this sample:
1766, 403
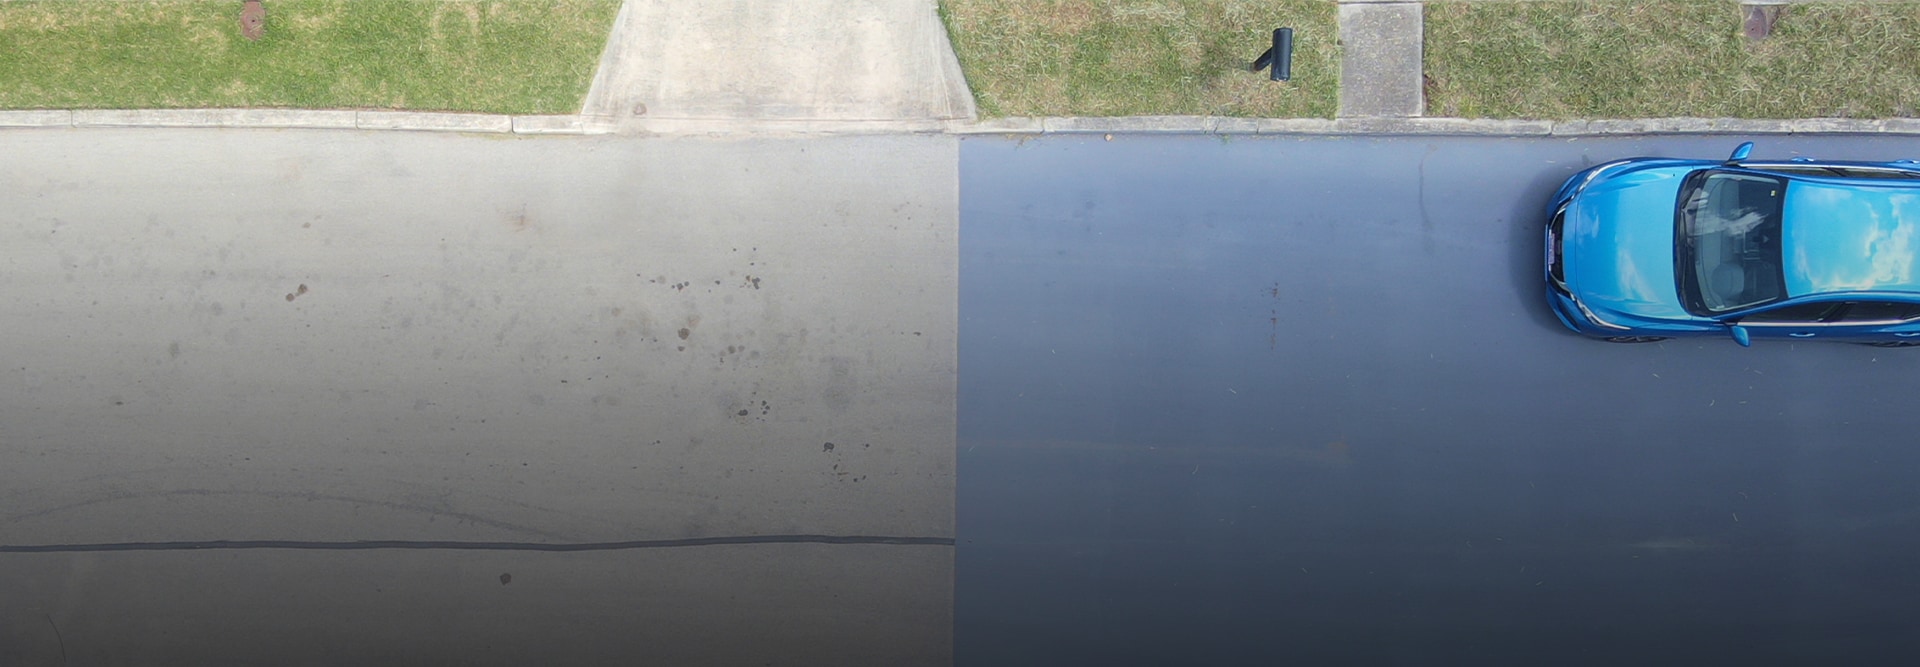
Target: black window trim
1837, 319
1832, 169
1833, 318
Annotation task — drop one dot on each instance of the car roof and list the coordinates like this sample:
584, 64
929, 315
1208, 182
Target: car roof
1851, 235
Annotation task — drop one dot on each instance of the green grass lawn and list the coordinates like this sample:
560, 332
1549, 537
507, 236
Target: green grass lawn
499, 56
1143, 57
1654, 58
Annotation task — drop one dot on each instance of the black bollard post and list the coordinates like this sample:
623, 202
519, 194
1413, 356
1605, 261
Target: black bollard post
1282, 55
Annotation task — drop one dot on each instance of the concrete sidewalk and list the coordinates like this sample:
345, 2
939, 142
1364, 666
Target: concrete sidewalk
678, 65
673, 66
1382, 58
881, 65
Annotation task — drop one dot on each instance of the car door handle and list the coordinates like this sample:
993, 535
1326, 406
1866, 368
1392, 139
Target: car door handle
1798, 334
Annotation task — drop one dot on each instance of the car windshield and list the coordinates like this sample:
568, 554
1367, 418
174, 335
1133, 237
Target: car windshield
1728, 239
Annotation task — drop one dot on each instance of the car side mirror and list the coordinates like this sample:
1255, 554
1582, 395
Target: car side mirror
1740, 335
1741, 153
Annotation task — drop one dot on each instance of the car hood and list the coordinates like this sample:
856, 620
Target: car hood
1618, 250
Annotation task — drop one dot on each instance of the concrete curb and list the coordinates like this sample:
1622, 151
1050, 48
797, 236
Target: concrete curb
442, 122
650, 126
303, 119
275, 118
36, 119
591, 125
1428, 126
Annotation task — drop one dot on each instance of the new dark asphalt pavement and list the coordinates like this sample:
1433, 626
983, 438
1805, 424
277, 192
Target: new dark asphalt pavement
1300, 401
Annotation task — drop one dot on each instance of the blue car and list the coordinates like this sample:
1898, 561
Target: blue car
1648, 249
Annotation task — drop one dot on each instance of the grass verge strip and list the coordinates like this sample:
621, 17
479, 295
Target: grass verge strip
1143, 57
1663, 58
495, 56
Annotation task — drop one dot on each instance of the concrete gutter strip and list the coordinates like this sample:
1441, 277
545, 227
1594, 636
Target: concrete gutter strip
1735, 126
588, 124
1163, 124
1150, 125
1430, 126
1016, 125
445, 122
1462, 126
36, 118
212, 118
561, 125
304, 119
769, 126
460, 122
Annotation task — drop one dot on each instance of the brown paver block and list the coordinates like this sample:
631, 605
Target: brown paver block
253, 20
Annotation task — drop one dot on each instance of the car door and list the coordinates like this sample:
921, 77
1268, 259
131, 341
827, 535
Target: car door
1803, 320
1879, 321
1862, 320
